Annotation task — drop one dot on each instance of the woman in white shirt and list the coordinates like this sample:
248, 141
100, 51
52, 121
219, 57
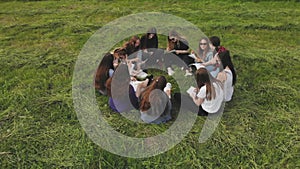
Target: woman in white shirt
228, 75
209, 93
207, 97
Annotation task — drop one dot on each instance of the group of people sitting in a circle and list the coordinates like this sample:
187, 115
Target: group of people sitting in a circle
122, 76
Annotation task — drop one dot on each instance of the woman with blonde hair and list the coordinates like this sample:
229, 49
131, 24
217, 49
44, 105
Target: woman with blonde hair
179, 46
206, 57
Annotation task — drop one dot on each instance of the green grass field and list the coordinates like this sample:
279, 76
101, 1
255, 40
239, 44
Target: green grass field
40, 42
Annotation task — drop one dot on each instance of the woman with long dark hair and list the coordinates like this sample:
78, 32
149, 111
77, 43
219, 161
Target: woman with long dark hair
134, 55
206, 98
121, 93
133, 45
228, 75
209, 93
155, 105
215, 45
103, 72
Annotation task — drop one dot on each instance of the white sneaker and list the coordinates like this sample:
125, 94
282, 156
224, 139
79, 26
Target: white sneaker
187, 73
170, 71
167, 89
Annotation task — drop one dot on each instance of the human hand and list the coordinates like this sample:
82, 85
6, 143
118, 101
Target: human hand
198, 60
167, 89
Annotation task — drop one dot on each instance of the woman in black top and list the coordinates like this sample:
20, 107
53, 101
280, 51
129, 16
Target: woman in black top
215, 45
149, 44
149, 40
179, 46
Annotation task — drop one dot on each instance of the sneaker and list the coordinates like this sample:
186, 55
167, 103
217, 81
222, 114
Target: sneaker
167, 89
187, 73
170, 71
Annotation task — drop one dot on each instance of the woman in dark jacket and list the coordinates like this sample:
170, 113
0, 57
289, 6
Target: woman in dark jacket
179, 46
149, 44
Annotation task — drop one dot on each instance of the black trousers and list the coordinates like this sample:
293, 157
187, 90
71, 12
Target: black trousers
187, 103
152, 59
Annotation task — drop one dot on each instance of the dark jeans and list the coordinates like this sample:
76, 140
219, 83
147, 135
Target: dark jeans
154, 58
187, 103
181, 60
186, 59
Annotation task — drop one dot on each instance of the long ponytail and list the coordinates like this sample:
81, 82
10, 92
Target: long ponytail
158, 83
226, 61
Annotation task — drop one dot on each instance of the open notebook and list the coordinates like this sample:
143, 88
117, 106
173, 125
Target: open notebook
192, 91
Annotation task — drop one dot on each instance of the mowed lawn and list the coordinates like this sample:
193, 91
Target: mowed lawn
41, 40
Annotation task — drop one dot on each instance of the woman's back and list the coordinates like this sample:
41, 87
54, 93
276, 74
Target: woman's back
155, 105
228, 75
228, 87
160, 110
213, 105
